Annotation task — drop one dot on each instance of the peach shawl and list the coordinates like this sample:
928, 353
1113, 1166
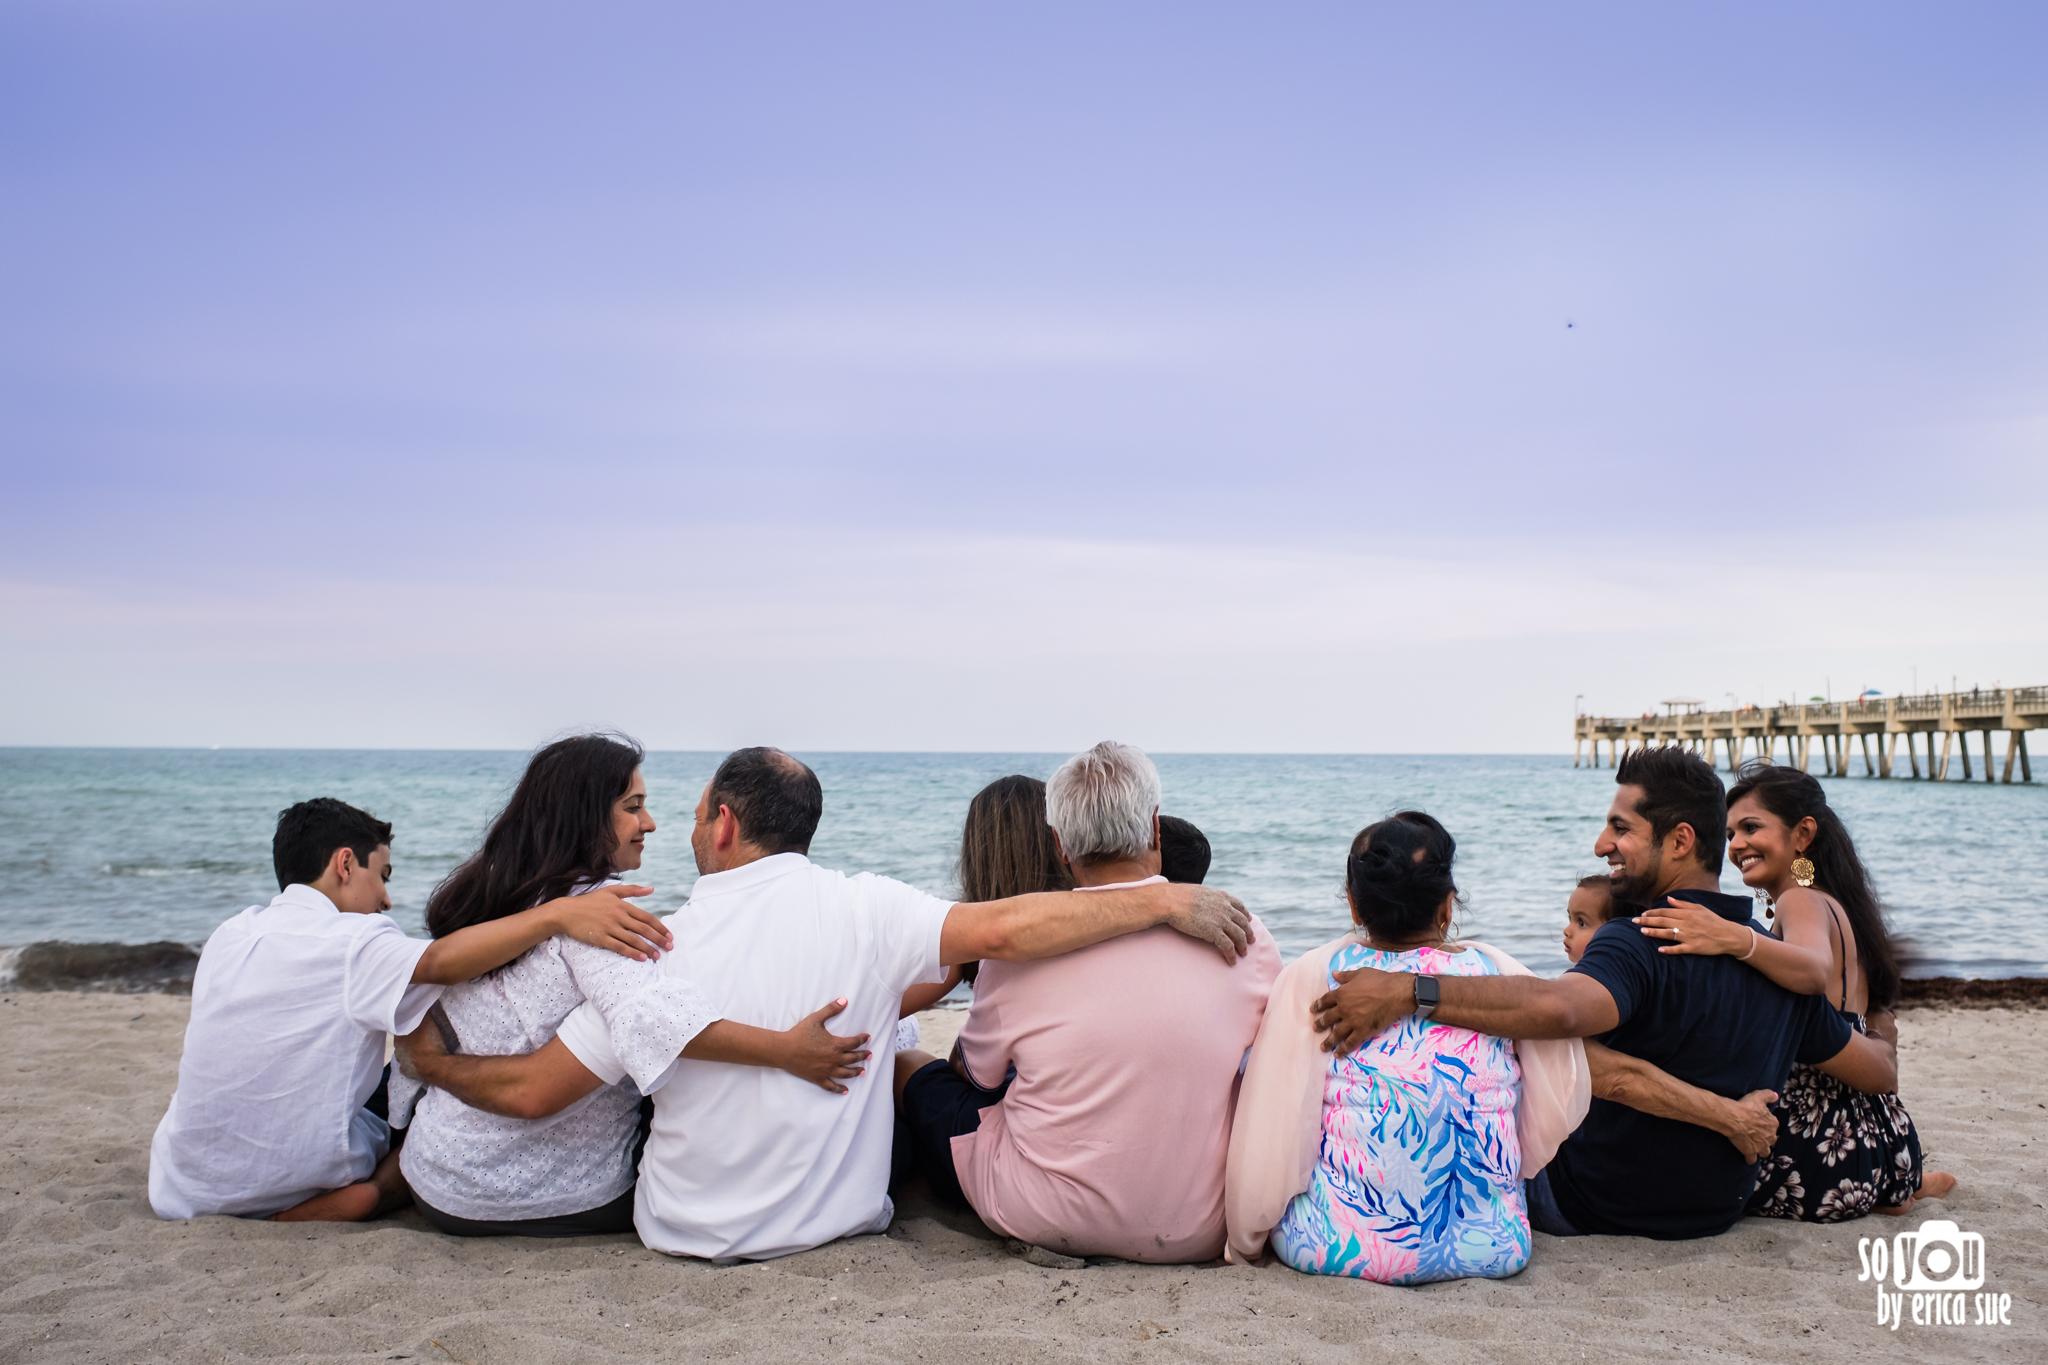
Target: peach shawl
1278, 1128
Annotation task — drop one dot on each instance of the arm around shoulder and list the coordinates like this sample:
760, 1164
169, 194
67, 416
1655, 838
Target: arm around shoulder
1573, 1006
1048, 923
602, 918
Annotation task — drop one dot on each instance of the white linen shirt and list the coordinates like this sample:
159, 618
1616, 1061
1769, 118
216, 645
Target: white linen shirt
748, 1163
490, 1168
290, 1005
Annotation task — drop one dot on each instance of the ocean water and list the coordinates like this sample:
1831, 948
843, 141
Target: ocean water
105, 845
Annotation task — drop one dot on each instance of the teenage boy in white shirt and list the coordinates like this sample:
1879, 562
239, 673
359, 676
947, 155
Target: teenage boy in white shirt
291, 1003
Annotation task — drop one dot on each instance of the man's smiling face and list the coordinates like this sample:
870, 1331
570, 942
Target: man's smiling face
1635, 859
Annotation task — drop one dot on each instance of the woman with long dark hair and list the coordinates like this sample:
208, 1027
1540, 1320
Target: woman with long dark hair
1840, 1153
1006, 849
577, 819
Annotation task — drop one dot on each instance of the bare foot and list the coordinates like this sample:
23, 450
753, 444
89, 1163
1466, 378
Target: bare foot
1933, 1185
383, 1191
350, 1204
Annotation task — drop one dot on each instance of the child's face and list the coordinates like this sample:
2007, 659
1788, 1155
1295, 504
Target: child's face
1583, 915
365, 891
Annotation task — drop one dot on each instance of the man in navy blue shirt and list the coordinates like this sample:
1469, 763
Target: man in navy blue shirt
1710, 1022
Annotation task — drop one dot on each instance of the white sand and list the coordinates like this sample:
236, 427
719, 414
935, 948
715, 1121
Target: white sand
88, 1274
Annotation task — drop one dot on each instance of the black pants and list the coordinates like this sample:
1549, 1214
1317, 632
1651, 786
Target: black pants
939, 1104
615, 1217
1544, 1214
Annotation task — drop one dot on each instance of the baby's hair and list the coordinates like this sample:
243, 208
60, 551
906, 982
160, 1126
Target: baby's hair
1609, 906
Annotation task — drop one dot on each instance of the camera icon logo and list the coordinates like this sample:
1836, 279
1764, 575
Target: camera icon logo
1939, 1256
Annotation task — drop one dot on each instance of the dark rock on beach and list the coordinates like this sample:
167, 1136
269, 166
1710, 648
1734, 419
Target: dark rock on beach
126, 968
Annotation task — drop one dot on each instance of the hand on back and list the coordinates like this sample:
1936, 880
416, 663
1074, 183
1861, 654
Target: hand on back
435, 1037
821, 1057
1217, 918
1690, 928
1365, 1002
1755, 1126
605, 918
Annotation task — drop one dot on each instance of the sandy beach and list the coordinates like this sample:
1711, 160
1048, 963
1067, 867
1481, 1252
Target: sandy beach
91, 1275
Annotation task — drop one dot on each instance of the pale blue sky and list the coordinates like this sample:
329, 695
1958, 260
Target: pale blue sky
929, 376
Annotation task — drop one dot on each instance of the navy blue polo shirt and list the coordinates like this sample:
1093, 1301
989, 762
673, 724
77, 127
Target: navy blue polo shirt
1715, 1022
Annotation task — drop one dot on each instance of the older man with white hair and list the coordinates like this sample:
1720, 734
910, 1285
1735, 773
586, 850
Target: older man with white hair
1087, 1105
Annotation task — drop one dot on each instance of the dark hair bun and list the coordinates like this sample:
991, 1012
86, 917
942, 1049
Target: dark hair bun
1399, 873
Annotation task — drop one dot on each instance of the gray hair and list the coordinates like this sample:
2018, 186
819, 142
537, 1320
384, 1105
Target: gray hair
1101, 802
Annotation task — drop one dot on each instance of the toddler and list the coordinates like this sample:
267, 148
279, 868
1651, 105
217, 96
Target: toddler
1592, 904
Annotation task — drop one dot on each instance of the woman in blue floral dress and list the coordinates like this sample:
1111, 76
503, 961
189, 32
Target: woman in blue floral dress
1420, 1176
1401, 1162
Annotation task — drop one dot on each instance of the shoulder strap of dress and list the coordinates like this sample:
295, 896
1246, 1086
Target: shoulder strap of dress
1843, 935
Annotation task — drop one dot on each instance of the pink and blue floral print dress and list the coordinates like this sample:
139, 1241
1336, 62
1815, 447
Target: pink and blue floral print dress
1419, 1173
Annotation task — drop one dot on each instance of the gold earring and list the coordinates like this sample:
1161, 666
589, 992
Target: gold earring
1802, 870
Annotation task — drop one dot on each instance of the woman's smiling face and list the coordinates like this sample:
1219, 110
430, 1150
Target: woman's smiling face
1761, 846
631, 824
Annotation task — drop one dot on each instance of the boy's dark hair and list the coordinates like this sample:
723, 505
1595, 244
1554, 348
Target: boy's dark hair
1679, 788
1611, 905
308, 833
554, 834
1183, 851
1398, 874
776, 800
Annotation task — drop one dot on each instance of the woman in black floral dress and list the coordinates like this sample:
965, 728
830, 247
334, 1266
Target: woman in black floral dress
1840, 1153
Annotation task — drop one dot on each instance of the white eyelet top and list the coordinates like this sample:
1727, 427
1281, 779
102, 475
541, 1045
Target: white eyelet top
489, 1168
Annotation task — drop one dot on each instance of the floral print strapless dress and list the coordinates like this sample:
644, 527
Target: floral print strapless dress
1840, 1153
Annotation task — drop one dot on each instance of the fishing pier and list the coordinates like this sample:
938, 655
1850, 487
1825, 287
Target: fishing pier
1887, 730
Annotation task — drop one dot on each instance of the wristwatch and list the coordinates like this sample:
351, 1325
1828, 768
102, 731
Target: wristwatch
1428, 991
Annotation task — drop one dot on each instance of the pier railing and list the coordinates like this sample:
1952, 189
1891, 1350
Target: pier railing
1887, 730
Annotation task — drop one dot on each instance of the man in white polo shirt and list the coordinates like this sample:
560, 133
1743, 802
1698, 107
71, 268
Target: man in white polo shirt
745, 1164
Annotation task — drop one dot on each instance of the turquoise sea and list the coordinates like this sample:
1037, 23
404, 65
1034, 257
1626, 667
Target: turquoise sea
137, 845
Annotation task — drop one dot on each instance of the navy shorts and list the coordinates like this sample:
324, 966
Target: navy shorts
1544, 1214
939, 1104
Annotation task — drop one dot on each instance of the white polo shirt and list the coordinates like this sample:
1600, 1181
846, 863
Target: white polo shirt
290, 1005
747, 1163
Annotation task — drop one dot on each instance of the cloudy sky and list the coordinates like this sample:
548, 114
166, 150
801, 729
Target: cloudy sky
1308, 377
